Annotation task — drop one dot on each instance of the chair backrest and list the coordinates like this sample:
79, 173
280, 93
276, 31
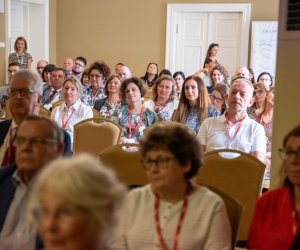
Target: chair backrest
234, 211
58, 103
149, 94
44, 112
96, 113
240, 177
93, 135
125, 159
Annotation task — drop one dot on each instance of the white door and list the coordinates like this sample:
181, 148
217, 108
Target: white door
29, 19
192, 27
225, 29
191, 41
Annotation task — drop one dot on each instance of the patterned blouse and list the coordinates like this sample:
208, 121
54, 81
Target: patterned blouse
23, 60
88, 98
165, 113
138, 123
193, 120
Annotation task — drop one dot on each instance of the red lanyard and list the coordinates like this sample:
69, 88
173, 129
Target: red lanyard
231, 139
137, 125
179, 225
63, 123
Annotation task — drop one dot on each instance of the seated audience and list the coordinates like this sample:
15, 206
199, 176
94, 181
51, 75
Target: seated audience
164, 102
72, 110
218, 97
74, 203
133, 117
179, 78
266, 79
107, 106
151, 74
234, 129
99, 71
38, 141
172, 212
194, 104
219, 75
275, 221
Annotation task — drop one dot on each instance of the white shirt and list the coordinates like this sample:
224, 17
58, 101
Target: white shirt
251, 136
205, 225
68, 117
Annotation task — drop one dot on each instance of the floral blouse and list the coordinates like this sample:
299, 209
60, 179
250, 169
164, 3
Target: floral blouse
165, 113
133, 128
88, 98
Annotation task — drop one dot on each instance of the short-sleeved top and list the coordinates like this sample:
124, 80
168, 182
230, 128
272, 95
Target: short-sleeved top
193, 120
138, 125
205, 225
88, 98
250, 137
164, 113
23, 60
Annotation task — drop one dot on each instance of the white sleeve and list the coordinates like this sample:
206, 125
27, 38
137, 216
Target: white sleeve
259, 140
202, 133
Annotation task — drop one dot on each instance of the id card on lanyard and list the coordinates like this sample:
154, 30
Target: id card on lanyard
230, 139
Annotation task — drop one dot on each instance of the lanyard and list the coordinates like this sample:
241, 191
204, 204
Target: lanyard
63, 123
229, 138
137, 125
179, 225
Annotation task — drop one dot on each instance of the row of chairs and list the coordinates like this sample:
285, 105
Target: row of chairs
237, 180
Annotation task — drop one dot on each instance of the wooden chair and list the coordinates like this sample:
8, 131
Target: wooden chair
94, 135
96, 113
240, 177
125, 160
149, 94
44, 112
234, 211
58, 103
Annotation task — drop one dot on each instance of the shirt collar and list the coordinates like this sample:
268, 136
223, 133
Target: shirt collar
75, 106
244, 122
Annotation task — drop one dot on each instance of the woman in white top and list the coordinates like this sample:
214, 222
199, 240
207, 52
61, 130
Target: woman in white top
172, 212
164, 102
72, 110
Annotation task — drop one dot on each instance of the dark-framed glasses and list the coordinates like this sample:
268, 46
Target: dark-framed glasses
160, 162
24, 92
288, 153
33, 141
217, 99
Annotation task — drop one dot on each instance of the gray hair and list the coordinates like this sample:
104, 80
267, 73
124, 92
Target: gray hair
82, 182
30, 76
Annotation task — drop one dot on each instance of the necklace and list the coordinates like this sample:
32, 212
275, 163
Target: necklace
180, 221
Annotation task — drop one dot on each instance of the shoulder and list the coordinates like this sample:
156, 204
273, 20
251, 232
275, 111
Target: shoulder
212, 112
139, 195
274, 196
206, 195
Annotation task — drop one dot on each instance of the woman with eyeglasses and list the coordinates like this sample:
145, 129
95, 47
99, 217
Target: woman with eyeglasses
99, 71
276, 218
218, 97
172, 212
194, 104
266, 79
164, 102
260, 95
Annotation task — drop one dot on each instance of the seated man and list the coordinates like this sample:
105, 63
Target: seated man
38, 141
234, 129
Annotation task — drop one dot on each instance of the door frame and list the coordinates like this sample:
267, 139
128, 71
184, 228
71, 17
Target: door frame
172, 25
8, 22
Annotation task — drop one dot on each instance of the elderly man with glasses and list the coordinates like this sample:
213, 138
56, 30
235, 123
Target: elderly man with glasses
25, 95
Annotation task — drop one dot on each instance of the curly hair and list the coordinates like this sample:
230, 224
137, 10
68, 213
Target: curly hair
102, 67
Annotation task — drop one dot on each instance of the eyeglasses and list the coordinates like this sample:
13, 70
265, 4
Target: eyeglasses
214, 98
24, 92
95, 76
288, 153
160, 162
33, 141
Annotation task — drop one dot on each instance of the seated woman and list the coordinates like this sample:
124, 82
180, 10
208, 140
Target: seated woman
164, 102
276, 218
179, 78
133, 117
218, 97
205, 74
85, 80
151, 74
46, 74
73, 110
99, 71
172, 212
108, 105
219, 75
260, 95
266, 79
74, 202
194, 104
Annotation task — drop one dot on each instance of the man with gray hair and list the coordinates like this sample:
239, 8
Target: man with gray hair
242, 71
25, 95
234, 129
38, 141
